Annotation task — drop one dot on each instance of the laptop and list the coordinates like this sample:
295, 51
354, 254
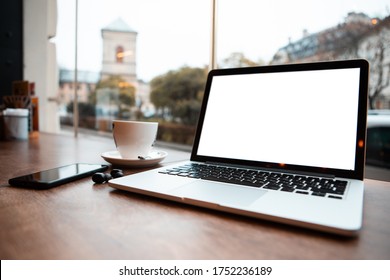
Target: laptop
284, 143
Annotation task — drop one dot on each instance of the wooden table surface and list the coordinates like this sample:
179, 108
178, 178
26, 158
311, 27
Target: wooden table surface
81, 220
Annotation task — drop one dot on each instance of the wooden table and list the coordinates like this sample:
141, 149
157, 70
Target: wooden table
81, 220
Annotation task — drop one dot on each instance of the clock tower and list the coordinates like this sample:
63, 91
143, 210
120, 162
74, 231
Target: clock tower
119, 51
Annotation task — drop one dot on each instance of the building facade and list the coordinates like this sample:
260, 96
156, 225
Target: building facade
119, 60
359, 36
119, 51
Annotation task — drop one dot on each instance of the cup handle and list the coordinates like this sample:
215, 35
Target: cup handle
113, 134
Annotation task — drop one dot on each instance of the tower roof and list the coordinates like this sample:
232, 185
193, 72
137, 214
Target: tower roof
119, 25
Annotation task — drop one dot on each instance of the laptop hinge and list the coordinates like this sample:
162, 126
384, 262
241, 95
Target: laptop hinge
295, 172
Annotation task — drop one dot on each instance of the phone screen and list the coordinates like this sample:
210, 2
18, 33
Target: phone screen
57, 176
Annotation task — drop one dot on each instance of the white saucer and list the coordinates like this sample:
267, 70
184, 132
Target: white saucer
153, 158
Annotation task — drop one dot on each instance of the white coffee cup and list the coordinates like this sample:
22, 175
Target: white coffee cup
134, 139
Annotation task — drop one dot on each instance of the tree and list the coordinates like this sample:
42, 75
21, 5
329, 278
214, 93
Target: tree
126, 97
380, 72
85, 109
178, 94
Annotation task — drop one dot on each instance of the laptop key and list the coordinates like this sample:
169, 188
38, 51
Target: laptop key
287, 189
271, 186
301, 192
318, 194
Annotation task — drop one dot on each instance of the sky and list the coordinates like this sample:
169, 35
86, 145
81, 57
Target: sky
176, 33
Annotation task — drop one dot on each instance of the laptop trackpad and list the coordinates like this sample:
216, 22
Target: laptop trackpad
222, 194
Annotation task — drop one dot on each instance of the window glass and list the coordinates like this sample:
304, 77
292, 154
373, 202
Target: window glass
148, 60
279, 32
254, 32
378, 146
138, 60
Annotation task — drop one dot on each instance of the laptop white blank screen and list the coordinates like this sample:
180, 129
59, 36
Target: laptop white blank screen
306, 118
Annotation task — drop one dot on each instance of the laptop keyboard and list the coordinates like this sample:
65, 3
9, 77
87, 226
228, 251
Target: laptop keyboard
305, 185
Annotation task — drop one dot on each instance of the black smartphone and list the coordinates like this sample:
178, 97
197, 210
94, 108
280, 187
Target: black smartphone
57, 176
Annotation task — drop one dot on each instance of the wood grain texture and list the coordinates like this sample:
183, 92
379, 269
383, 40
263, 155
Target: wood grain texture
82, 220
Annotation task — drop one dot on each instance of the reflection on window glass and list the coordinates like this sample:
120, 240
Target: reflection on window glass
147, 60
378, 138
378, 146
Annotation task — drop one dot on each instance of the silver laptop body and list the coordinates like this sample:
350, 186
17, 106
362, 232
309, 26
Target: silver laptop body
294, 133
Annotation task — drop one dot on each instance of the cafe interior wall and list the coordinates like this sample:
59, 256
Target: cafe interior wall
40, 63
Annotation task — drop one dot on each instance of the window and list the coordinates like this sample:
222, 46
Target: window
148, 60
123, 53
139, 44
280, 32
119, 54
303, 31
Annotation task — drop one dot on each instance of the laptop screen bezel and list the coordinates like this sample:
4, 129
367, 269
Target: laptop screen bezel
360, 145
